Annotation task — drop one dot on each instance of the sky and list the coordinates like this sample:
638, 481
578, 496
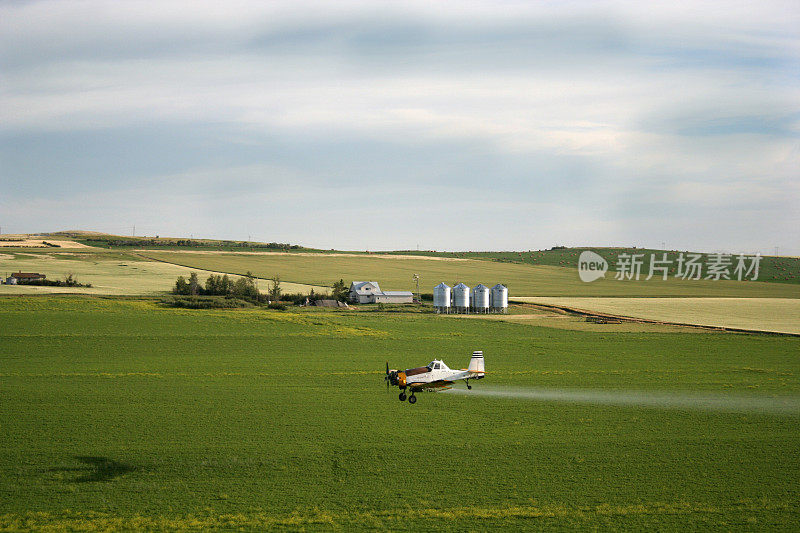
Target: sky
398, 125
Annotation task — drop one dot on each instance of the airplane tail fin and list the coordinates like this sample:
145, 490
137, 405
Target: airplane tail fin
476, 363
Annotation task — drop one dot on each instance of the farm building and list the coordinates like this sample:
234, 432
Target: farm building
22, 277
363, 292
394, 297
369, 292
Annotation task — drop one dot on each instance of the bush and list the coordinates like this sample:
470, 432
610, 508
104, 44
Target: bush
205, 302
277, 305
426, 297
298, 298
340, 291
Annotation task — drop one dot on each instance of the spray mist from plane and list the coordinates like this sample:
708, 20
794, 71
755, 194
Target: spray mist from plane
714, 402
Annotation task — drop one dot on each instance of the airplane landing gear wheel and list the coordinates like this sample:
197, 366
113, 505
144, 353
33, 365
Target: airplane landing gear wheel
402, 396
469, 386
412, 399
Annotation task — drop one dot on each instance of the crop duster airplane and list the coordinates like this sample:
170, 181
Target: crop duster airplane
434, 377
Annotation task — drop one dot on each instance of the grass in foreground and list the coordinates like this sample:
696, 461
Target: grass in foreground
123, 415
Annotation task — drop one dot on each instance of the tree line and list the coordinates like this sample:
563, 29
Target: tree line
132, 241
222, 285
245, 289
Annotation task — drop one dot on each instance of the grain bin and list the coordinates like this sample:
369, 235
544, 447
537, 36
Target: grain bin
480, 298
461, 298
499, 299
441, 298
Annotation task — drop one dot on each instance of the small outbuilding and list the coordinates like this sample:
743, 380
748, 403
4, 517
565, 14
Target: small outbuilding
22, 277
394, 297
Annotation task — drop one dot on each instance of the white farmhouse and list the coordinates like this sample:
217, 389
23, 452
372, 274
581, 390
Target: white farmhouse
369, 292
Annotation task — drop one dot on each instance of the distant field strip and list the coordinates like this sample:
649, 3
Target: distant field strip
312, 254
395, 273
779, 405
780, 315
108, 276
40, 243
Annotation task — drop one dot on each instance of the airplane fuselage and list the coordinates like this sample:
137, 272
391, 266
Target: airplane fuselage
435, 376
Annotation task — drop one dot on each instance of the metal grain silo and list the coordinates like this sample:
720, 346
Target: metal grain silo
480, 298
441, 298
499, 299
461, 298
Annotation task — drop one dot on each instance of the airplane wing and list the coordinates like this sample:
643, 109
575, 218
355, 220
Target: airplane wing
430, 386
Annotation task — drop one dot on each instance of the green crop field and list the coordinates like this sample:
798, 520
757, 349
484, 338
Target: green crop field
395, 273
774, 269
119, 414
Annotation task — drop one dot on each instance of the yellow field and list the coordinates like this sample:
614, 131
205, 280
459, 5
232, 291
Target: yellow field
40, 243
108, 276
765, 314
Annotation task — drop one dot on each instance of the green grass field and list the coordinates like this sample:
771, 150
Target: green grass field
118, 414
773, 269
395, 273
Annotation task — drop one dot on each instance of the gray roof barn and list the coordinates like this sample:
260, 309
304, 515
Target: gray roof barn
368, 292
363, 292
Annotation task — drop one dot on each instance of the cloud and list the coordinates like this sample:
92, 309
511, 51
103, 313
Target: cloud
579, 106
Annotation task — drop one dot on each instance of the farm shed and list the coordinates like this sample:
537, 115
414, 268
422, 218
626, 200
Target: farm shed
394, 297
22, 277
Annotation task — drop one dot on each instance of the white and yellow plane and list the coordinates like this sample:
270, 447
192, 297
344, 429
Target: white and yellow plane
434, 377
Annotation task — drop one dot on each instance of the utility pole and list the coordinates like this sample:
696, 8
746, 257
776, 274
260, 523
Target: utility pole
133, 231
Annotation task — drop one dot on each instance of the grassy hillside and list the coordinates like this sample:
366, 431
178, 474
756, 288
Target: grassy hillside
522, 279
772, 269
109, 272
103, 240
120, 414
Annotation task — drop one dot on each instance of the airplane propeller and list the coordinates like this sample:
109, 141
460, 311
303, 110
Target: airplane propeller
386, 378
